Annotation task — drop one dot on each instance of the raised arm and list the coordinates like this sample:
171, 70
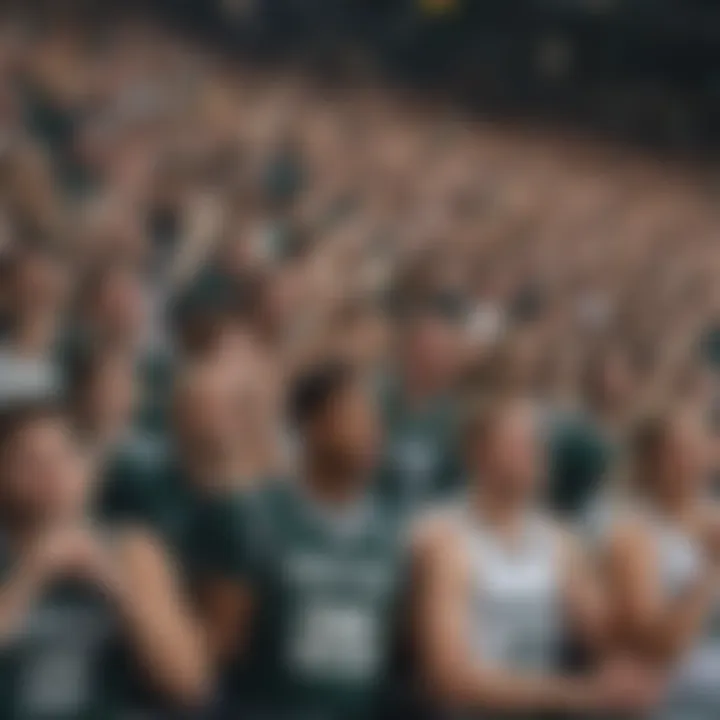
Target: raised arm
166, 638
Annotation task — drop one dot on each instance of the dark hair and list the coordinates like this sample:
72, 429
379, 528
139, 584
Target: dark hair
82, 367
314, 389
18, 416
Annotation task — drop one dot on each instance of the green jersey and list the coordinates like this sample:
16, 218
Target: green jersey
69, 661
422, 462
325, 590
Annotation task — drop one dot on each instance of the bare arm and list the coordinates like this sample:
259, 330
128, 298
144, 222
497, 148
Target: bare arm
453, 673
16, 596
226, 608
658, 627
585, 601
166, 639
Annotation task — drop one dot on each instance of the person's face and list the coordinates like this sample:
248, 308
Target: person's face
206, 414
511, 461
111, 395
42, 282
432, 350
364, 341
120, 306
286, 293
348, 434
685, 460
45, 476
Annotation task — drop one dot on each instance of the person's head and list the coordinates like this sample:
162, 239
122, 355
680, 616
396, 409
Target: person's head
43, 477
205, 410
331, 410
215, 313
670, 456
609, 380
38, 277
103, 392
504, 449
430, 348
279, 294
360, 333
114, 303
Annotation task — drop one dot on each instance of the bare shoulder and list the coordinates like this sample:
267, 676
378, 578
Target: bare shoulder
437, 539
434, 530
629, 537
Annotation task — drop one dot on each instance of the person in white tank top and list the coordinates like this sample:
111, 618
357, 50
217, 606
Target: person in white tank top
662, 566
499, 583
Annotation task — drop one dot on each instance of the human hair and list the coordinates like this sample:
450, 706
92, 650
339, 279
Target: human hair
646, 441
315, 388
18, 416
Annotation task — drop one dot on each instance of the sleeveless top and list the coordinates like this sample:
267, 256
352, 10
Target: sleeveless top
694, 692
515, 603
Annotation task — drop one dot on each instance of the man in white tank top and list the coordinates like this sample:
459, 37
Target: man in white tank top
500, 584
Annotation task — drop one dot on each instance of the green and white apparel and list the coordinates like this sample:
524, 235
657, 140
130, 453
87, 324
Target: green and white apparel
326, 587
69, 659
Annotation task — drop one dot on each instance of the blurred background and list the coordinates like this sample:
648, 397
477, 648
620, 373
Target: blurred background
200, 199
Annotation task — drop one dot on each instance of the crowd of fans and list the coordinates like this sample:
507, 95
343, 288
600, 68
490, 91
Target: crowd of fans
299, 382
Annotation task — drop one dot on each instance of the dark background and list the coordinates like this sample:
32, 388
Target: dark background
645, 70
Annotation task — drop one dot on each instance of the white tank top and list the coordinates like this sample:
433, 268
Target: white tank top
694, 693
515, 604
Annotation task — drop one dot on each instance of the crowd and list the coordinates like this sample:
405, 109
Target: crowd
325, 402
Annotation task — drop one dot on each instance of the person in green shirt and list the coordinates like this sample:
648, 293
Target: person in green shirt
421, 462
92, 621
301, 575
163, 488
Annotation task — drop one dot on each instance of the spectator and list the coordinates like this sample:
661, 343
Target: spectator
88, 618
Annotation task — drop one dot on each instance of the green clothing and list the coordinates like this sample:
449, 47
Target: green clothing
131, 481
580, 455
69, 661
710, 346
422, 463
325, 596
147, 486
284, 177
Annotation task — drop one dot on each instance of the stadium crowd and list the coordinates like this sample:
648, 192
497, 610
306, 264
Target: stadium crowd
329, 402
